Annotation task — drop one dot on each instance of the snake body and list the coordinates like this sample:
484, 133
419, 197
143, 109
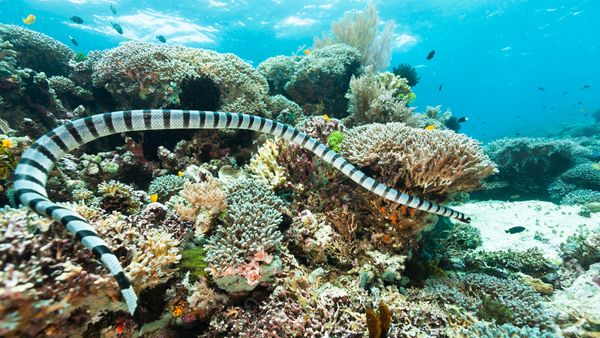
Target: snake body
37, 162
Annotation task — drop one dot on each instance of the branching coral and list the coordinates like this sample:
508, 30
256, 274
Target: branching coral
166, 186
200, 203
263, 165
585, 176
240, 252
378, 97
360, 30
428, 163
116, 196
531, 261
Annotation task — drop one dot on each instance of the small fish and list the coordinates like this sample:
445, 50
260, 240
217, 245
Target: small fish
515, 230
76, 19
394, 218
596, 166
120, 328
518, 134
515, 196
6, 143
29, 20
565, 93
180, 173
113, 10
307, 52
541, 89
463, 119
431, 55
430, 127
585, 87
73, 40
154, 198
440, 87
579, 102
327, 118
161, 38
117, 27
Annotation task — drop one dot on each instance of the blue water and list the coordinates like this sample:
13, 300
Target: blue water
491, 56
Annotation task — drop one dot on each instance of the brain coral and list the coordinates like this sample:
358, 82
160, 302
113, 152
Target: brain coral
142, 74
427, 162
37, 51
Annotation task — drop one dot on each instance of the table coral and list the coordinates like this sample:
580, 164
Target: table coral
428, 163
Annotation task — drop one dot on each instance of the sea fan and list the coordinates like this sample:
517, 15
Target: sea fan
408, 72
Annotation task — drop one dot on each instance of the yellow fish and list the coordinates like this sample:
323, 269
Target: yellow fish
327, 118
154, 198
6, 143
30, 19
307, 52
430, 127
180, 173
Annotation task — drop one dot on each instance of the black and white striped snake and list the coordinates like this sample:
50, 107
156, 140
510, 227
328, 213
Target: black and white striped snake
36, 163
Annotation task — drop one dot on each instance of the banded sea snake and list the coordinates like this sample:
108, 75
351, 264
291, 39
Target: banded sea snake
37, 162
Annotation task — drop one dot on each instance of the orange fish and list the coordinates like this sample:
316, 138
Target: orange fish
307, 52
394, 218
430, 127
327, 118
30, 19
120, 328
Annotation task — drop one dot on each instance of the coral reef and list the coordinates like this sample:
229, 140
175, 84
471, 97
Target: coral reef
278, 71
166, 186
322, 79
149, 75
530, 165
37, 51
423, 162
284, 110
584, 176
361, 31
263, 165
241, 253
378, 97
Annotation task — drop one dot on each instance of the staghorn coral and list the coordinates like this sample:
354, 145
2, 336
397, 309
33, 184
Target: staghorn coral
37, 51
240, 252
583, 247
143, 74
200, 203
378, 97
263, 165
278, 71
322, 78
428, 163
360, 30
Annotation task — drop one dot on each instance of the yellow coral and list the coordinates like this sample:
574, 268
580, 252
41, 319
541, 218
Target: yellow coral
264, 166
152, 259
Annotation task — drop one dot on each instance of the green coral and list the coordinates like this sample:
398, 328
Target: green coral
192, 260
335, 139
166, 186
